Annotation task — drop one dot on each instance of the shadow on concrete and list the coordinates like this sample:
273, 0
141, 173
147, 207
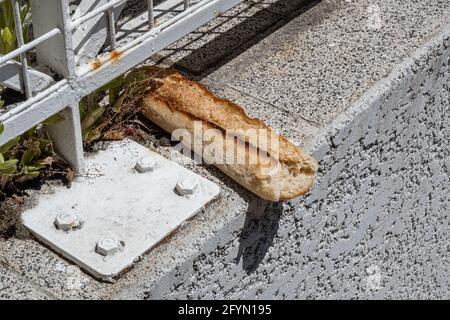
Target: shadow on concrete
262, 217
260, 227
250, 28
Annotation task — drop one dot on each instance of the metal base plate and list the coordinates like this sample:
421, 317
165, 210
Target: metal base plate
113, 200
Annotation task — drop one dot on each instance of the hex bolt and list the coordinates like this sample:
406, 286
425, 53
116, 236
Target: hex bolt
67, 221
145, 164
108, 246
186, 186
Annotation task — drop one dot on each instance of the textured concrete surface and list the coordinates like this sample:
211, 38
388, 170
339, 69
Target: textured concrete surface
321, 62
372, 107
230, 34
219, 37
12, 286
374, 226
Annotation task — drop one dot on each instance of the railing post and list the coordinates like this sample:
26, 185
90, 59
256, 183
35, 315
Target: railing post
67, 139
57, 53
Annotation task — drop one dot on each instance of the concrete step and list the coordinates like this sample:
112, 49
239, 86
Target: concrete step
10, 77
320, 63
14, 287
364, 87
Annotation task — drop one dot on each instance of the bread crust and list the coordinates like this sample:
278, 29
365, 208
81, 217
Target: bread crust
174, 102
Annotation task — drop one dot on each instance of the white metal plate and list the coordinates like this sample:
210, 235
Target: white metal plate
114, 200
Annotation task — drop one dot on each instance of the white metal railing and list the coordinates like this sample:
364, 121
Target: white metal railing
23, 48
54, 28
20, 42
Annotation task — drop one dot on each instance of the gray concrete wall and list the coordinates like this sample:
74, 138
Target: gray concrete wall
375, 224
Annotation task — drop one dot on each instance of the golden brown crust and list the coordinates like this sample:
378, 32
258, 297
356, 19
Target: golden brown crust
175, 102
197, 100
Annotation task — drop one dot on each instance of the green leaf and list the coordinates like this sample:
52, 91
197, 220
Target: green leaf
31, 171
28, 156
91, 135
44, 143
10, 144
91, 102
7, 16
36, 147
91, 118
1, 158
82, 109
113, 96
2, 128
97, 113
35, 167
56, 118
8, 167
118, 103
2, 103
7, 39
25, 9
33, 174
31, 132
113, 84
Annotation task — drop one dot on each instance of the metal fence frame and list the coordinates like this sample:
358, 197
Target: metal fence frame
53, 30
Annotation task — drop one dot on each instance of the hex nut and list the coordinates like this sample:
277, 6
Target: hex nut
186, 186
108, 246
145, 164
67, 221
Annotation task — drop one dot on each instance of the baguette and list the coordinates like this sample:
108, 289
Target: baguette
279, 171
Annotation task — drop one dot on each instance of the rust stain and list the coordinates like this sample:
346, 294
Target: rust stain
95, 64
115, 55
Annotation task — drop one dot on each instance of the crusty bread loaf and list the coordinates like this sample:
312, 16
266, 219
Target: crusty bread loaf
173, 102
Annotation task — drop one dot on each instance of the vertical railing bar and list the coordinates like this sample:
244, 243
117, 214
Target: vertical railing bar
187, 4
25, 79
68, 41
151, 14
111, 28
91, 14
